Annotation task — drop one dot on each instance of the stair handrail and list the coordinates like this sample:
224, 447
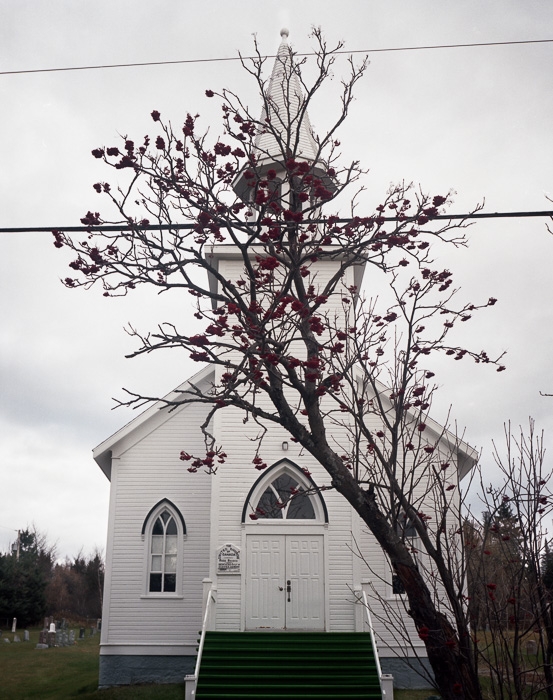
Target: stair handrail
210, 597
191, 680
373, 638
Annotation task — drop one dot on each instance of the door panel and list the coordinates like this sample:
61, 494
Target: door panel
276, 563
265, 603
304, 570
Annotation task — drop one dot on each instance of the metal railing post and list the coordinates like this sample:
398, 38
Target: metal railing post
191, 680
386, 680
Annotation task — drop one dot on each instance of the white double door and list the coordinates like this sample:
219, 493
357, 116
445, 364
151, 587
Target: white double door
285, 582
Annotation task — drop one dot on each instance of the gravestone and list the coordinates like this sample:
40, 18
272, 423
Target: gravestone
531, 647
6, 640
26, 637
43, 637
14, 625
16, 638
71, 637
81, 633
46, 623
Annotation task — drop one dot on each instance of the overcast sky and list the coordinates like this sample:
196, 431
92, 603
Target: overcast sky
477, 120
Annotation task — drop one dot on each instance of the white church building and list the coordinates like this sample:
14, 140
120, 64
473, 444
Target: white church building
179, 542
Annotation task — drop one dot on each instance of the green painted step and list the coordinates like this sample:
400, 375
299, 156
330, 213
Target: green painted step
288, 666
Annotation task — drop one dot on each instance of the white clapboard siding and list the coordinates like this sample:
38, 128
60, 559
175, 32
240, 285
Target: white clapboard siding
235, 480
238, 475
146, 473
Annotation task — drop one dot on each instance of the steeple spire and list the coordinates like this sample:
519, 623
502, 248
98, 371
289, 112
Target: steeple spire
284, 107
290, 134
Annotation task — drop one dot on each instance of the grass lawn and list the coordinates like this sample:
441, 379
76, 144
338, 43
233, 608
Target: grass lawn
27, 673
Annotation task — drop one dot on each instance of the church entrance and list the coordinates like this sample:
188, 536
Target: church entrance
285, 582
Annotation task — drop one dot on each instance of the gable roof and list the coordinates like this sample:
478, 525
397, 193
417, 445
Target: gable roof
147, 421
159, 412
467, 456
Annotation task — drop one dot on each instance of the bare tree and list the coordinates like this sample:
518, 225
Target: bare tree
292, 342
510, 601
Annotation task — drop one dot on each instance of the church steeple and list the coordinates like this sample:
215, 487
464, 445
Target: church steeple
290, 134
285, 108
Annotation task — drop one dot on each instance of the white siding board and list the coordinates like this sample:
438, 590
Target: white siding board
148, 471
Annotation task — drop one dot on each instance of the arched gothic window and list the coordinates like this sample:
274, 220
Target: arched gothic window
285, 498
284, 492
165, 528
163, 559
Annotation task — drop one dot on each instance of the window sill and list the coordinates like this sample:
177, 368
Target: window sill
162, 596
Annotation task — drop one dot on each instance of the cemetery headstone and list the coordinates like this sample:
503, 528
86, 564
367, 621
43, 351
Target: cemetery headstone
26, 637
6, 640
71, 637
16, 638
531, 647
81, 633
43, 637
14, 625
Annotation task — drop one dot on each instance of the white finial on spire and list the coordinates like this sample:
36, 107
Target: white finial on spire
284, 33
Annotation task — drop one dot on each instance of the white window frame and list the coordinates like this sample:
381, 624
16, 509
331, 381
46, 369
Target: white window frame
147, 534
414, 543
295, 472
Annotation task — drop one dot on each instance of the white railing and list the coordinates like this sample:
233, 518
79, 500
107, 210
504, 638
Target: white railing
386, 681
191, 681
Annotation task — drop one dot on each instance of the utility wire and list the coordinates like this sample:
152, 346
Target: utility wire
169, 227
242, 58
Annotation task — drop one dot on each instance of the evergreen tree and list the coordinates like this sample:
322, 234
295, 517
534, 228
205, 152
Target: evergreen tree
23, 579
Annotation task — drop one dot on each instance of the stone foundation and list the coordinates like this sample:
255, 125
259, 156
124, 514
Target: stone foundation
127, 670
405, 674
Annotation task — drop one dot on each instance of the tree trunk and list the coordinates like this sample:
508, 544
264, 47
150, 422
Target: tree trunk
451, 659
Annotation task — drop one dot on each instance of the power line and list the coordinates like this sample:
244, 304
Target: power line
240, 58
169, 227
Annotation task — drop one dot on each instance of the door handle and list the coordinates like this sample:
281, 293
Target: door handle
280, 588
288, 589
